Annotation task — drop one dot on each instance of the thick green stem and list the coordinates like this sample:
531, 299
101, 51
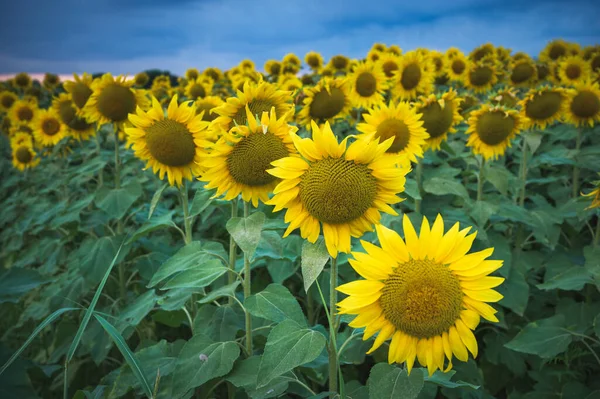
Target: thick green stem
597, 235
98, 150
419, 179
576, 168
120, 226
247, 292
523, 172
480, 180
187, 220
332, 350
232, 249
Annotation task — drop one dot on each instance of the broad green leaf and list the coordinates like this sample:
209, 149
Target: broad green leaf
597, 326
289, 345
482, 211
155, 199
219, 323
100, 254
545, 338
201, 360
573, 279
201, 201
445, 186
499, 177
15, 282
275, 303
197, 276
411, 189
116, 202
533, 139
135, 312
151, 225
516, 292
226, 290
443, 379
127, 354
247, 232
387, 381
172, 319
244, 373
314, 259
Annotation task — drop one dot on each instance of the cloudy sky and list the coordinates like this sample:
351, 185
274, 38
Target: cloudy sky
126, 36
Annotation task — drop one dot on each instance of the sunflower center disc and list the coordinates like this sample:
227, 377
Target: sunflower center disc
437, 120
458, 66
494, 127
585, 104
573, 72
170, 143
481, 76
80, 94
393, 128
339, 62
543, 105
25, 114
257, 107
192, 74
422, 298
116, 102
197, 90
23, 154
208, 116
366, 84
325, 105
411, 76
7, 101
22, 80
252, 156
389, 67
313, 61
522, 73
557, 51
50, 127
542, 71
336, 191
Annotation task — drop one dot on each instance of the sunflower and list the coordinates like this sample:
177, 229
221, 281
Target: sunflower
390, 63
543, 106
426, 293
554, 50
314, 60
292, 58
480, 77
141, 79
400, 122
341, 187
456, 66
394, 49
289, 83
77, 126
583, 105
214, 73
374, 55
22, 81
24, 157
453, 52
161, 88
206, 105
51, 81
491, 130
482, 52
506, 97
595, 194
327, 101
414, 76
367, 84
440, 116
339, 63
573, 69
543, 71
7, 100
192, 74
595, 62
23, 111
273, 67
21, 138
112, 100
468, 105
523, 72
198, 88
171, 144
260, 98
48, 130
21, 129
379, 47
80, 89
439, 61
238, 162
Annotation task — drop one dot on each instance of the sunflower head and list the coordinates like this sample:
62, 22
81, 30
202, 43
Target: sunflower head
314, 60
543, 106
456, 66
7, 100
583, 105
48, 129
367, 84
205, 106
379, 47
554, 50
543, 71
415, 75
199, 88
523, 72
595, 194
214, 73
80, 89
484, 51
374, 55
22, 81
141, 79
480, 77
77, 126
424, 292
192, 74
21, 138
573, 69
339, 62
506, 97
273, 67
24, 157
440, 115
328, 100
292, 58
292, 83
491, 129
23, 111
21, 129
468, 104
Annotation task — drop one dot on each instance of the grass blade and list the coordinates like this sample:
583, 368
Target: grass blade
35, 332
90, 309
127, 354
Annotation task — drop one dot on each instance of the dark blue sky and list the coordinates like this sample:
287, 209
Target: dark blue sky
126, 36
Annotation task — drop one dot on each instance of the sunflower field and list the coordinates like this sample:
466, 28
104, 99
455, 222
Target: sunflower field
412, 224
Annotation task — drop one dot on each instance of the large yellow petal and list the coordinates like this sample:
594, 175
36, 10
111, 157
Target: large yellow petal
361, 287
367, 267
484, 295
392, 243
470, 318
458, 348
386, 332
467, 337
411, 238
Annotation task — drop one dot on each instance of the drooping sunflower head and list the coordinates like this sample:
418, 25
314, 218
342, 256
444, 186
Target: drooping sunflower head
51, 81
314, 60
247, 65
367, 84
543, 106
21, 138
48, 128
327, 101
290, 68
440, 115
523, 73
171, 144
238, 162
77, 126
308, 79
343, 188
80, 89
273, 67
554, 50
480, 77
292, 58
141, 79
573, 69
439, 61
23, 111
486, 50
199, 88
7, 100
394, 49
206, 105
506, 97
214, 73
192, 74
595, 194
415, 76
339, 62
24, 157
380, 47
595, 62
399, 122
22, 81
583, 105
491, 130
453, 52
425, 292
112, 100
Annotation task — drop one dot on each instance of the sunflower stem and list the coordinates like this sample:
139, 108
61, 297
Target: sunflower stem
523, 172
333, 358
597, 235
120, 227
187, 220
231, 276
576, 168
419, 179
480, 180
247, 292
98, 150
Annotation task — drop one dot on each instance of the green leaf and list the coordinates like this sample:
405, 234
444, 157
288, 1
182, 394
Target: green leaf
573, 279
499, 177
151, 225
533, 139
127, 354
386, 381
412, 189
597, 325
275, 303
90, 310
201, 201
289, 345
219, 323
516, 292
545, 338
445, 186
443, 379
482, 211
197, 276
117, 201
201, 360
171, 319
49, 320
314, 259
226, 290
15, 282
247, 232
155, 199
